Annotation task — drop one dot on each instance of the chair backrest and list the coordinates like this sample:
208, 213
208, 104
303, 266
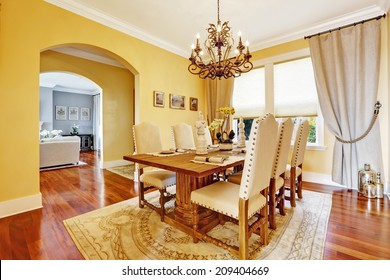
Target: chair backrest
300, 144
259, 157
285, 132
147, 138
183, 137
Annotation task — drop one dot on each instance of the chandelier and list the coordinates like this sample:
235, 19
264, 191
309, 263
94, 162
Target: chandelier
219, 44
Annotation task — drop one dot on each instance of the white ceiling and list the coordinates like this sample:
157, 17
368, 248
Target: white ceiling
67, 82
173, 24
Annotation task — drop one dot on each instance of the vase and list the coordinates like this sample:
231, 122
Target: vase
226, 146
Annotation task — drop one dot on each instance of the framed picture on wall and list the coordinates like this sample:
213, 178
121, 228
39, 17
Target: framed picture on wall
193, 104
85, 114
158, 99
61, 113
73, 113
177, 101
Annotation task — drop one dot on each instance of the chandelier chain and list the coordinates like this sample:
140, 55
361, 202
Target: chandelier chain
218, 10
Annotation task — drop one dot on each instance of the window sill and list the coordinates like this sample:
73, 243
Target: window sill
316, 147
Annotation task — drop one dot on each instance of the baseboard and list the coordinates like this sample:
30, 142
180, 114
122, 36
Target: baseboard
115, 163
320, 178
20, 205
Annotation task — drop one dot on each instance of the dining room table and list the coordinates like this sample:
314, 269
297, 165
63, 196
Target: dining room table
192, 172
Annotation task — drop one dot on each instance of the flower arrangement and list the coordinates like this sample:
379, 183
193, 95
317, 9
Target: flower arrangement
215, 124
225, 135
75, 129
226, 111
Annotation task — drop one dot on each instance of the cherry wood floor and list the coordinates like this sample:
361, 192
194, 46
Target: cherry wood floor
359, 228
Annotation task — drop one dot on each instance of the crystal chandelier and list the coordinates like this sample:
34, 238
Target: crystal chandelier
218, 44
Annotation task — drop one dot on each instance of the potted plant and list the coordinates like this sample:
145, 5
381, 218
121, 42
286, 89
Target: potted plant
75, 129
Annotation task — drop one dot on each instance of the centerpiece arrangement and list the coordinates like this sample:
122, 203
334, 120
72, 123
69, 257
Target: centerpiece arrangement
225, 135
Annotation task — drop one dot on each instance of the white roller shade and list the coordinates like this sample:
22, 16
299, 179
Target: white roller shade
295, 89
249, 94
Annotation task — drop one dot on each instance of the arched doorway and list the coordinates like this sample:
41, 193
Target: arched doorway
117, 79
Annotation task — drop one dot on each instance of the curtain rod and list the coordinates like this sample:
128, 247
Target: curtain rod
345, 26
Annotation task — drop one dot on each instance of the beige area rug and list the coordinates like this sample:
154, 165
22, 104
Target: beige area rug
123, 231
125, 171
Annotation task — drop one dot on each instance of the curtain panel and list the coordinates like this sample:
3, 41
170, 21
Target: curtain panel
346, 66
219, 94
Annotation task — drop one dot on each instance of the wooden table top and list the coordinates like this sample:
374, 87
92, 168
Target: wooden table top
181, 163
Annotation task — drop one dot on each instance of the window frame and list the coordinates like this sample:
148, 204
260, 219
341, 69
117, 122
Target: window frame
268, 64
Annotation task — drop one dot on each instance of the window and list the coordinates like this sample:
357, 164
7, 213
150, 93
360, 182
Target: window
249, 94
285, 86
295, 92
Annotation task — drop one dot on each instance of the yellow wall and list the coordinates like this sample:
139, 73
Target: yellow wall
29, 27
118, 93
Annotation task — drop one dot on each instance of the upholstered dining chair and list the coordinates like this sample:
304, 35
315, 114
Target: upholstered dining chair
147, 139
276, 187
183, 136
294, 169
241, 202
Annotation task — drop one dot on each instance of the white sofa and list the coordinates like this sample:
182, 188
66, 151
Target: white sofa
59, 151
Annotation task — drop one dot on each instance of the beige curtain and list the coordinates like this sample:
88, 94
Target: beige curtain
219, 94
346, 67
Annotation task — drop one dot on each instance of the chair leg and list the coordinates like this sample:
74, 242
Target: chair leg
264, 224
243, 234
281, 202
272, 204
292, 187
162, 204
141, 195
299, 185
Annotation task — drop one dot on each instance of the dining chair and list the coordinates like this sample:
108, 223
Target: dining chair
147, 139
294, 169
183, 137
277, 182
241, 202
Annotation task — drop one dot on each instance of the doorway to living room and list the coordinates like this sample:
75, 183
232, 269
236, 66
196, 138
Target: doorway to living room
70, 104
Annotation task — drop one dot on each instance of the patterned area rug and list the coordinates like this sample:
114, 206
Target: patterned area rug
125, 171
123, 231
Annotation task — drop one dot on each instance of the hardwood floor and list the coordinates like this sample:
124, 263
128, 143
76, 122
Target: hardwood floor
359, 228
